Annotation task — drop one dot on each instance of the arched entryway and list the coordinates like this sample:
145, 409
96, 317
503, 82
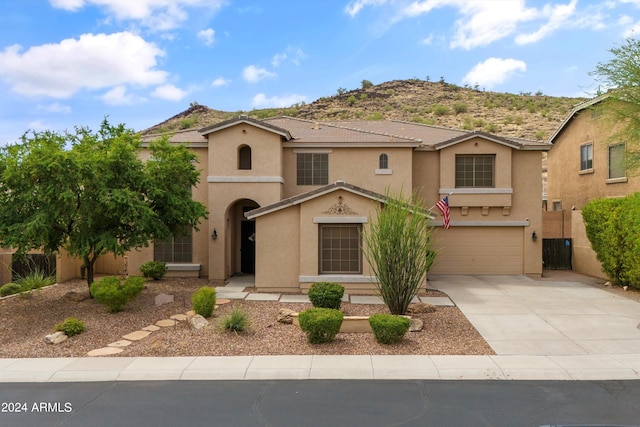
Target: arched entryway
240, 238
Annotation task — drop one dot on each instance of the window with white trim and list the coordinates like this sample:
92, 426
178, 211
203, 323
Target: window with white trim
586, 157
617, 161
340, 249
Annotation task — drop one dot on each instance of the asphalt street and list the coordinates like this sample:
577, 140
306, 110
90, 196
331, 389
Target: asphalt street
321, 403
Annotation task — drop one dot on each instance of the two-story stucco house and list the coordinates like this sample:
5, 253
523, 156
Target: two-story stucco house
586, 164
288, 199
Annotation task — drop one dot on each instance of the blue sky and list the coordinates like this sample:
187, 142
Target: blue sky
72, 62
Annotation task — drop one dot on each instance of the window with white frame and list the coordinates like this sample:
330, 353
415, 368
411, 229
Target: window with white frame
586, 157
340, 249
617, 161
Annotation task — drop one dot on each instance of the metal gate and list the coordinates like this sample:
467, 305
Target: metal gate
31, 263
556, 254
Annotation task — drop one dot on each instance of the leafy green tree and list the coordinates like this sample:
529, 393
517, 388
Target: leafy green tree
92, 194
398, 248
621, 75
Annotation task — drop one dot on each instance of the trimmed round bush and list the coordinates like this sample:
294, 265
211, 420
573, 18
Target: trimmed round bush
154, 269
204, 301
389, 328
71, 326
10, 289
114, 293
320, 324
326, 295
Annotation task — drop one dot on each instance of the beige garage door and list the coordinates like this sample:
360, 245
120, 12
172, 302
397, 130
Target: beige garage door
479, 250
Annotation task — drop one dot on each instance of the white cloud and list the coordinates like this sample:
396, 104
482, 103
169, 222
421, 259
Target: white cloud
356, 6
56, 108
91, 62
38, 125
254, 74
159, 15
261, 100
427, 40
118, 96
292, 53
220, 81
558, 17
493, 71
169, 93
207, 36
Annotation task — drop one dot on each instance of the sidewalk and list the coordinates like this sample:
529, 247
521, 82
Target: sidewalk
540, 330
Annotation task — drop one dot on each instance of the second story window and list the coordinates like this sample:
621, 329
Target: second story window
244, 157
383, 162
312, 169
586, 157
617, 161
475, 170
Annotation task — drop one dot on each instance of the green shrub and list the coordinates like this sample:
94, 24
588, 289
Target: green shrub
440, 110
389, 328
114, 293
154, 269
351, 100
460, 107
366, 84
320, 324
36, 279
326, 295
10, 289
71, 326
204, 301
237, 321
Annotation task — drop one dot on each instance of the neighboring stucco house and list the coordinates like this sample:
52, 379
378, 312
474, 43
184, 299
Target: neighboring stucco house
288, 199
585, 164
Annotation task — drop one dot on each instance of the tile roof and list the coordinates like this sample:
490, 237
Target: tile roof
181, 136
244, 119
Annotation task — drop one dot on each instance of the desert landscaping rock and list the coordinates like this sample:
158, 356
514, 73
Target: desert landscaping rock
221, 301
151, 328
56, 338
120, 344
163, 299
166, 323
137, 335
420, 308
105, 351
285, 315
416, 325
73, 296
190, 313
198, 322
179, 317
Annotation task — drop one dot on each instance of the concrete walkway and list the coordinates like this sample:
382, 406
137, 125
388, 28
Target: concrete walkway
540, 330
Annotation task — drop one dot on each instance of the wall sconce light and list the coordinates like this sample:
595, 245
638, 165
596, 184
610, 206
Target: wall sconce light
534, 236
214, 235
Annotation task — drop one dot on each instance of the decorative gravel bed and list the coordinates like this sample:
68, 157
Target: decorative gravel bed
25, 320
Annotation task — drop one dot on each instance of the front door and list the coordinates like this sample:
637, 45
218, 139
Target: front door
248, 247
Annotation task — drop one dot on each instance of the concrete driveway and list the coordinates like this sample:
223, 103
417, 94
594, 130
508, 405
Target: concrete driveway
517, 315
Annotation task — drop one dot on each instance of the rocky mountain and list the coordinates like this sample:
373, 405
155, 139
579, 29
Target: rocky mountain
524, 115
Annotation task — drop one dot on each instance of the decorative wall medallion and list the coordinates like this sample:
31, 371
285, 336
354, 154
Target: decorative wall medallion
340, 209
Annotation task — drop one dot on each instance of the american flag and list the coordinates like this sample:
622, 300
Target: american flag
443, 205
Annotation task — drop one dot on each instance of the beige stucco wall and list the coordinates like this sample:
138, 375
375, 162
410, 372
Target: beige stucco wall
565, 181
556, 224
282, 261
583, 258
356, 166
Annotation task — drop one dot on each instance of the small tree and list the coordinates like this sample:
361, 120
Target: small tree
621, 106
366, 84
91, 193
398, 248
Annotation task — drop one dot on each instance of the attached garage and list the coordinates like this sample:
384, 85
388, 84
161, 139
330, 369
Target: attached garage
479, 250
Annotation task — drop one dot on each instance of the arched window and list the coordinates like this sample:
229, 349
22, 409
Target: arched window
384, 161
244, 157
